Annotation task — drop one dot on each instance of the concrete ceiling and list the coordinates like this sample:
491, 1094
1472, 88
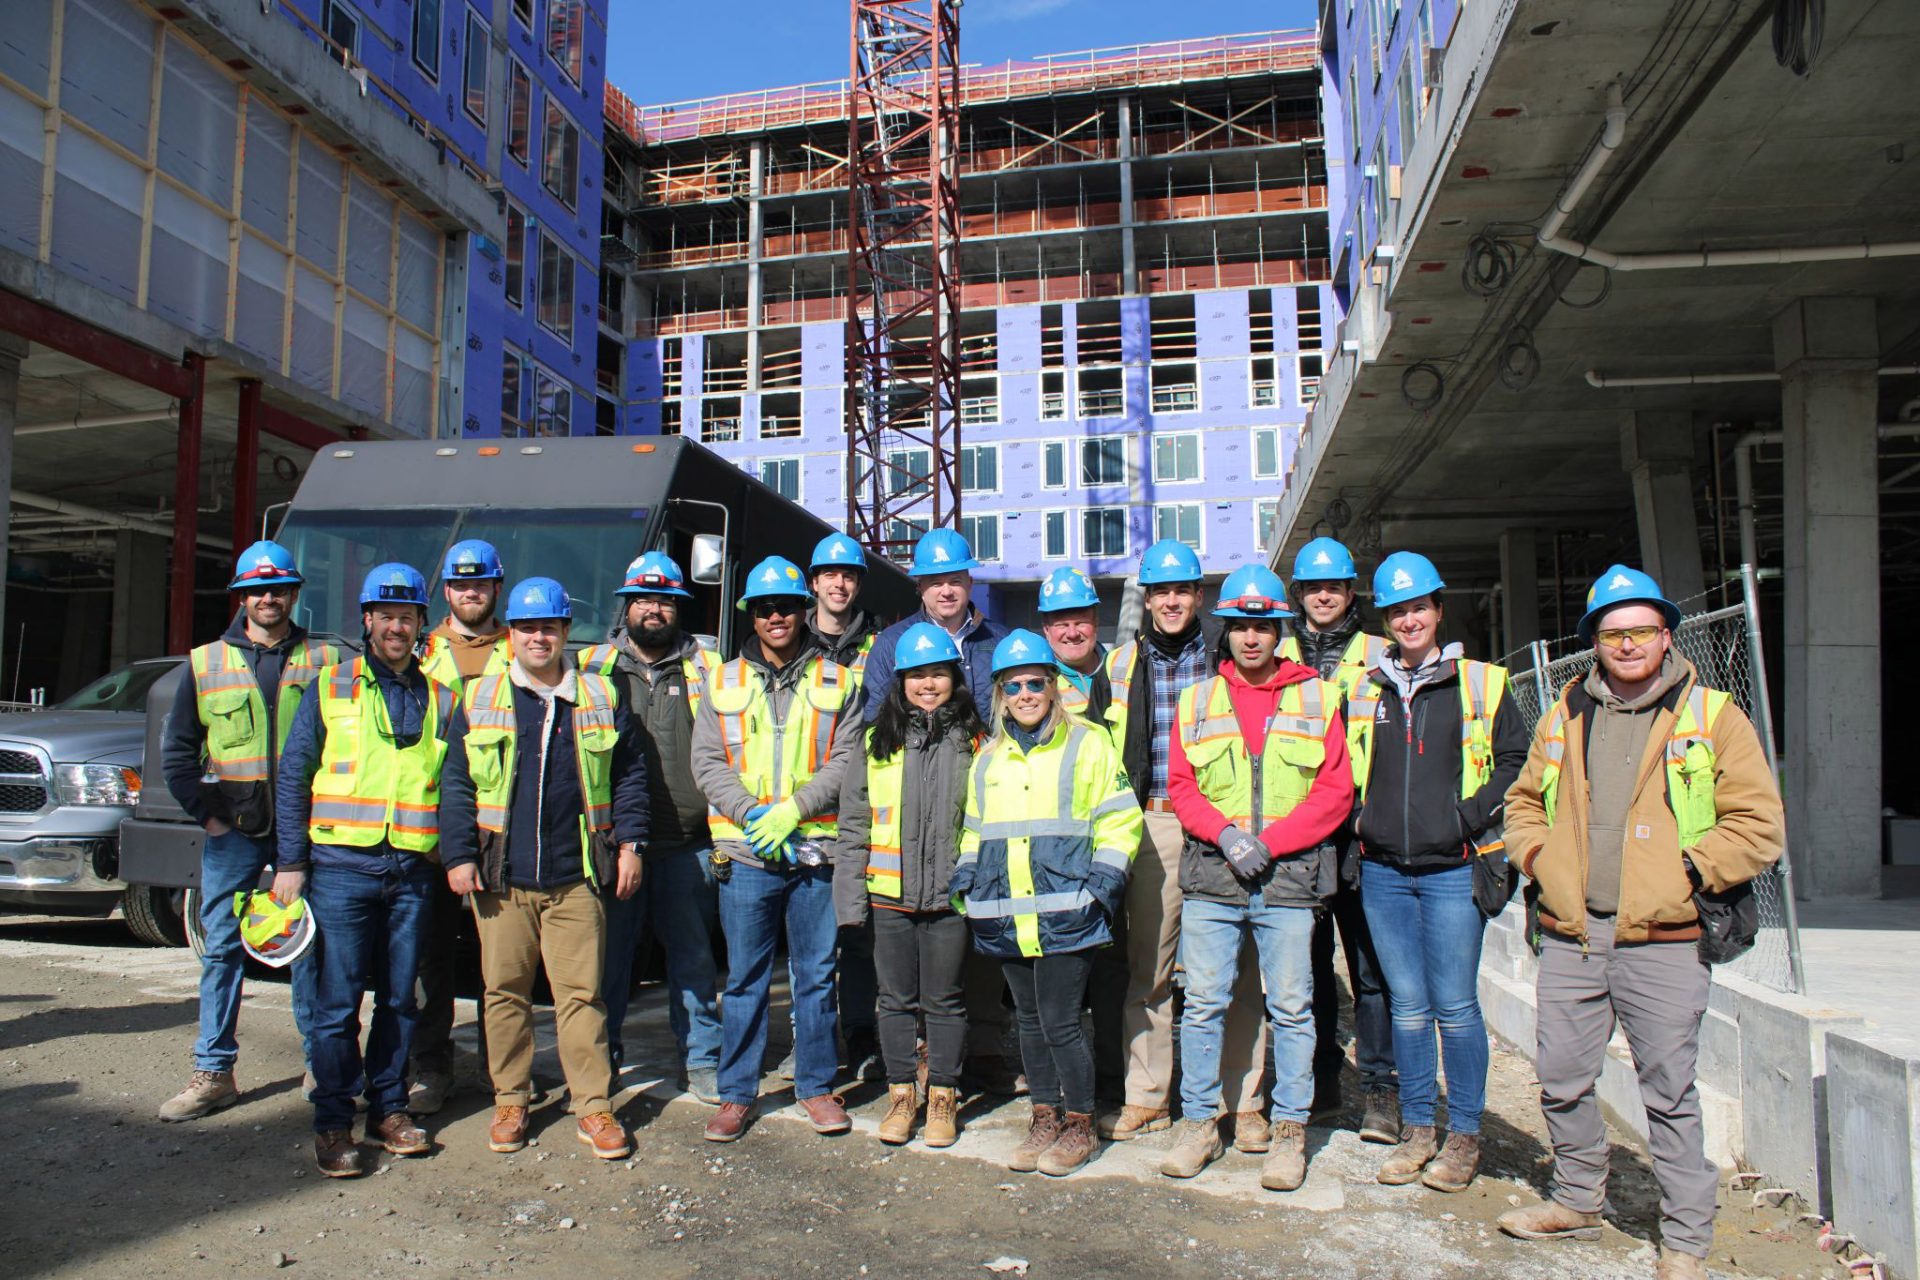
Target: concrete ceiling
1724, 147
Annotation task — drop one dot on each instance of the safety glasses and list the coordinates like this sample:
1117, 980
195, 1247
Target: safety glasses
1614, 637
1032, 684
279, 590
774, 608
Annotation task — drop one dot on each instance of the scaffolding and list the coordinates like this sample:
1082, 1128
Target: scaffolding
902, 305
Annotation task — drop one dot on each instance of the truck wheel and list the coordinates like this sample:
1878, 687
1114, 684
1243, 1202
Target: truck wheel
190, 916
153, 915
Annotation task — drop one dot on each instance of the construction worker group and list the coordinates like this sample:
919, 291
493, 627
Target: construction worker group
970, 838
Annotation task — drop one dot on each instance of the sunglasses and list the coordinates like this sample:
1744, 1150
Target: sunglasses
1032, 684
1614, 637
280, 591
774, 608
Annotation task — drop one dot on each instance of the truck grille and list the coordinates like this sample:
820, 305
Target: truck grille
23, 781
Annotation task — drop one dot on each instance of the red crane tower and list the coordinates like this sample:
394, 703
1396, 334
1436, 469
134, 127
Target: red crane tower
903, 296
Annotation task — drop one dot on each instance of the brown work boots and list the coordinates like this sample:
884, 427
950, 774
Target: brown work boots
608, 1138
1454, 1168
1198, 1146
1072, 1149
1550, 1220
398, 1133
206, 1092
1131, 1121
903, 1108
1285, 1167
1042, 1129
1418, 1145
943, 1116
336, 1154
508, 1132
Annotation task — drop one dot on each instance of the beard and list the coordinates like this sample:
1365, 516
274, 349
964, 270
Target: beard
662, 636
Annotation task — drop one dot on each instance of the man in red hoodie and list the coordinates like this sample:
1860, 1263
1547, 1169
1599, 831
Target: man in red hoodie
1257, 772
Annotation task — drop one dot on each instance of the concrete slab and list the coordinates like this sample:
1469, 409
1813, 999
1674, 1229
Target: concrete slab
1873, 1110
1861, 955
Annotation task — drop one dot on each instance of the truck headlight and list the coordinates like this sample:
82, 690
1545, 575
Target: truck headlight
96, 784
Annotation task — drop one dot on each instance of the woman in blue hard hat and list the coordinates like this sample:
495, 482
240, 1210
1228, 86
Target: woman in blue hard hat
1050, 833
900, 812
1435, 744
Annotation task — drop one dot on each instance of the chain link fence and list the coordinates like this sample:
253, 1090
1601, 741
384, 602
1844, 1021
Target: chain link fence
1724, 646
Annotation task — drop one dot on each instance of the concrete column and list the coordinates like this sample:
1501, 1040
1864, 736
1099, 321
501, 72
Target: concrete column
12, 351
139, 597
1827, 351
1656, 448
756, 249
1130, 281
1519, 587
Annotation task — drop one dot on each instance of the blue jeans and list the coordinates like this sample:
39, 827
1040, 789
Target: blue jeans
679, 899
229, 864
753, 901
1211, 934
372, 930
1426, 930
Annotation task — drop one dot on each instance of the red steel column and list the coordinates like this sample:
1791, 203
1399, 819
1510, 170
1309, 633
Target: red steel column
246, 467
186, 508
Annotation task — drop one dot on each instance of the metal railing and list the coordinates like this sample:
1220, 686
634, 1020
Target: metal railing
1725, 648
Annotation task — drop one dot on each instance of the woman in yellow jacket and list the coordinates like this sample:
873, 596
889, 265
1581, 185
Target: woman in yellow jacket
1049, 837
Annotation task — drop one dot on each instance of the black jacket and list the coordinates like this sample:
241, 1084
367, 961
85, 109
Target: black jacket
1413, 816
542, 846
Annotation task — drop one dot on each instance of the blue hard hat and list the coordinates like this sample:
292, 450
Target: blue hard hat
838, 551
1067, 588
1402, 576
924, 644
1620, 585
393, 583
533, 599
941, 551
1022, 648
1169, 560
472, 561
654, 574
1253, 591
1324, 560
774, 576
264, 564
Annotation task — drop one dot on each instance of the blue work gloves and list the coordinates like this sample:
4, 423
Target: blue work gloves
1246, 852
769, 826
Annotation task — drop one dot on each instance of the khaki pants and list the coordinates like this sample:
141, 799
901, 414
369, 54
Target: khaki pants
1153, 942
566, 929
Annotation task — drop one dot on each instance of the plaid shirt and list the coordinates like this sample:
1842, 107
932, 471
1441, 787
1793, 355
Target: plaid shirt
1170, 677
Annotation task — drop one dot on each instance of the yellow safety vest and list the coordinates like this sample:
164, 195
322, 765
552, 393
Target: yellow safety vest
1295, 748
1123, 664
437, 661
886, 783
228, 699
775, 758
368, 789
492, 742
1362, 654
1690, 760
699, 668
1482, 686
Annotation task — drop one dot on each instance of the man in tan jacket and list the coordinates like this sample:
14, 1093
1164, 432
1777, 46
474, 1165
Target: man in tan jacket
1642, 787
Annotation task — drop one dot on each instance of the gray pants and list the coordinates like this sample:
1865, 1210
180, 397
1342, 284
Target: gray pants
1658, 991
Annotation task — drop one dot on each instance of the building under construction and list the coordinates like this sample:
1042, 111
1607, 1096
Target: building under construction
1144, 246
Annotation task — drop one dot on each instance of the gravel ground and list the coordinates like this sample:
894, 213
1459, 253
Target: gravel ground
95, 1032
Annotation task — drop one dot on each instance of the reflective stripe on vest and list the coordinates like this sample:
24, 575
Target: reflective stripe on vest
699, 668
1362, 654
437, 661
367, 789
1291, 756
886, 785
1122, 664
1690, 760
492, 752
227, 697
774, 758
1482, 687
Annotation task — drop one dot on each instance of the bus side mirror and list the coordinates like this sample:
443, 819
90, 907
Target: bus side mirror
708, 558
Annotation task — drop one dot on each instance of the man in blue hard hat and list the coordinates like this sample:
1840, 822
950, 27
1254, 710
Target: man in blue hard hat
544, 801
1148, 674
771, 743
469, 642
1327, 635
663, 675
1646, 809
846, 634
1069, 620
358, 796
942, 571
220, 755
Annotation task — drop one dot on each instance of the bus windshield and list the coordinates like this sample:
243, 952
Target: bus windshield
586, 549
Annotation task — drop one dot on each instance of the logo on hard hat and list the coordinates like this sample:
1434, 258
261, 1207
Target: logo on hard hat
1323, 558
923, 643
1171, 561
1402, 580
793, 573
1620, 582
940, 553
1046, 588
264, 562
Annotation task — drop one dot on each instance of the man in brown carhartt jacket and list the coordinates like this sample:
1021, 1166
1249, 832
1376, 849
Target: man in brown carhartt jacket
1634, 744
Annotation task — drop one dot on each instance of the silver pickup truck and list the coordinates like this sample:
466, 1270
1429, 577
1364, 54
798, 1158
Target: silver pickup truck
69, 776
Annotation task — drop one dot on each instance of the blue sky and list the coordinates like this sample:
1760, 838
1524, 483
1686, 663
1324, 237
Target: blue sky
668, 50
